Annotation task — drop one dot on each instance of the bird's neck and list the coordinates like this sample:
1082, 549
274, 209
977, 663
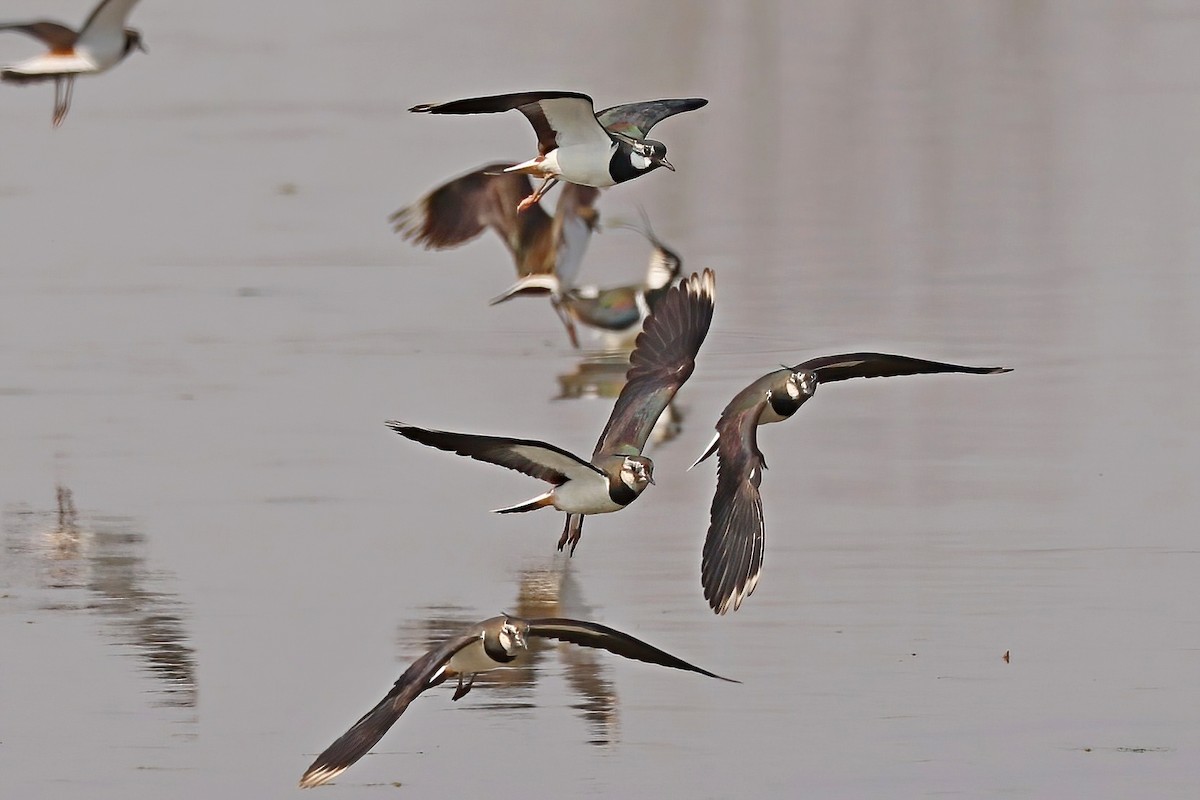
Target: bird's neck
495, 652
621, 164
620, 492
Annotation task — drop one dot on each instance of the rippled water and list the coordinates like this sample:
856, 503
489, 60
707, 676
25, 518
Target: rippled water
206, 318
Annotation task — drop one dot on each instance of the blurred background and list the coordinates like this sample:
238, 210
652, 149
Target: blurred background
215, 557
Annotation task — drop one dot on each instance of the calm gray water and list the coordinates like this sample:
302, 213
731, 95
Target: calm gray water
205, 320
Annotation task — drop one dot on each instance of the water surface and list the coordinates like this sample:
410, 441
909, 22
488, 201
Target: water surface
206, 319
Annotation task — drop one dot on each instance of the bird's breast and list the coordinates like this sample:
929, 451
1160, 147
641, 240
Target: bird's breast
471, 659
586, 496
584, 164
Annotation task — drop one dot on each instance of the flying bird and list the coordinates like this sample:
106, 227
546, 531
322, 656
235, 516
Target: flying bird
576, 144
102, 43
619, 309
546, 250
662, 360
488, 645
733, 548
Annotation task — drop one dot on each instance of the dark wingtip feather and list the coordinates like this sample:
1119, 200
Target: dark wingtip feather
352, 745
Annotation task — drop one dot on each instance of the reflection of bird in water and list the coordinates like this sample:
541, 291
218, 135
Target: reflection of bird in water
551, 592
65, 539
105, 557
603, 375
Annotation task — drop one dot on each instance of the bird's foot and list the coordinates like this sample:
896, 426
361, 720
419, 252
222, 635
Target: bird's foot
572, 530
463, 688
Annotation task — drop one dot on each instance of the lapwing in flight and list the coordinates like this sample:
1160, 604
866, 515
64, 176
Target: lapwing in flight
618, 310
488, 645
663, 359
546, 250
102, 43
733, 549
576, 144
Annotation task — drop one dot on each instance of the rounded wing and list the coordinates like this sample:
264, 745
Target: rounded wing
636, 119
370, 728
59, 38
559, 118
536, 459
882, 365
462, 208
733, 548
663, 359
593, 634
106, 23
575, 218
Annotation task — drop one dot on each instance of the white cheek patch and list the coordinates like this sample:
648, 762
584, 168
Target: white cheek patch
639, 161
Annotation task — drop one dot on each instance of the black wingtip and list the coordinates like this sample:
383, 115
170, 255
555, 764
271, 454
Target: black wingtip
423, 108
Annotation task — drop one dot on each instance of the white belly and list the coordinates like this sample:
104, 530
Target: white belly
471, 659
48, 64
585, 496
584, 164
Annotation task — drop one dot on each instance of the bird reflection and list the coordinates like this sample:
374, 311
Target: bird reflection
602, 374
99, 565
544, 591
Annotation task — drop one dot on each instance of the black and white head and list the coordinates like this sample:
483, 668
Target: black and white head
635, 157
133, 41
637, 472
511, 636
649, 154
796, 389
802, 385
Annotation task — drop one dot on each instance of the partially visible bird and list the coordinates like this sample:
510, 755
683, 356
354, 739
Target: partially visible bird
575, 143
620, 309
618, 473
733, 548
546, 250
102, 43
488, 645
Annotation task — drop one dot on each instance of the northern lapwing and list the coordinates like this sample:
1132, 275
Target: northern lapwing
733, 548
102, 43
662, 360
576, 144
617, 310
488, 645
546, 250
